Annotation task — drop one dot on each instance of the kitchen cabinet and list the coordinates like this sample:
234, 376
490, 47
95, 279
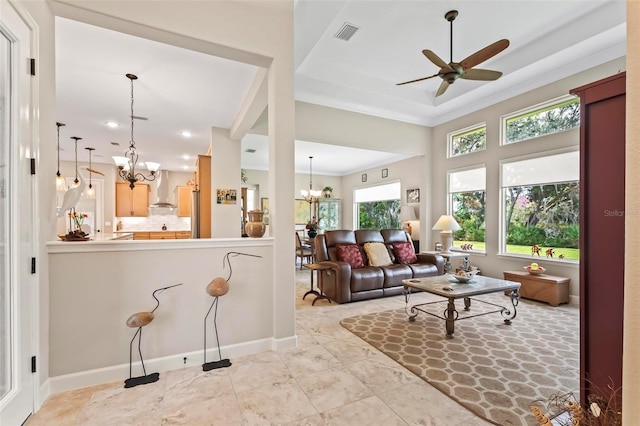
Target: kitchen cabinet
202, 218
162, 235
132, 202
183, 235
183, 196
140, 235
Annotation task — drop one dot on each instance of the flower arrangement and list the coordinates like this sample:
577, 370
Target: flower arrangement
78, 218
312, 225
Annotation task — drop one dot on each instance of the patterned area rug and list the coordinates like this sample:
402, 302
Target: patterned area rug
495, 370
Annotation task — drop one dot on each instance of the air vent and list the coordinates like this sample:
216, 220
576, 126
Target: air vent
250, 150
115, 143
137, 117
346, 32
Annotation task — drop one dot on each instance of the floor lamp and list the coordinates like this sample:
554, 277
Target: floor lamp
446, 225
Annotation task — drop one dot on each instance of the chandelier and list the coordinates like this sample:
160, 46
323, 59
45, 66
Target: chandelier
310, 196
127, 164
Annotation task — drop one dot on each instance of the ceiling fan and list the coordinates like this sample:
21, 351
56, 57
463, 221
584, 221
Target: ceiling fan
450, 72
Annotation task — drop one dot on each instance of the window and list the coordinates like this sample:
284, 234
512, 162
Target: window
468, 140
467, 199
541, 206
554, 116
378, 207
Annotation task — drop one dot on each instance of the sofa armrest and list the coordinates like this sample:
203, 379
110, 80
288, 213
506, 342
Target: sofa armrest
435, 259
341, 278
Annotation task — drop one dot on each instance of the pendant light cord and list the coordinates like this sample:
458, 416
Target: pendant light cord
59, 125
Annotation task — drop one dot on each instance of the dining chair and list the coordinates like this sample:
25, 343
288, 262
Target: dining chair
303, 251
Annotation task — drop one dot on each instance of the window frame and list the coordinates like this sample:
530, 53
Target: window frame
466, 130
450, 199
531, 110
356, 215
502, 237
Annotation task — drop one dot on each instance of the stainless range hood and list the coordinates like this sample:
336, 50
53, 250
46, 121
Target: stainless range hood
162, 206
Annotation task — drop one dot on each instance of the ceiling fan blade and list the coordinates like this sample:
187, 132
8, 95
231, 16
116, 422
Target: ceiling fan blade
484, 75
418, 79
443, 88
484, 54
437, 61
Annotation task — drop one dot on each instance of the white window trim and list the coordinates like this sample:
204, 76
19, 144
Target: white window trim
502, 237
504, 118
451, 135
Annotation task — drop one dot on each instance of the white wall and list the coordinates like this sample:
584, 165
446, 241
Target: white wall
491, 263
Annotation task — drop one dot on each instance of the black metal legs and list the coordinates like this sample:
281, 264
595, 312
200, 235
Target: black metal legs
214, 364
140, 380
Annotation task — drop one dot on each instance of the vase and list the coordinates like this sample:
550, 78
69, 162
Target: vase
255, 227
312, 233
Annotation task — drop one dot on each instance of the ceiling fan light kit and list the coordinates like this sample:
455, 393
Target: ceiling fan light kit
450, 72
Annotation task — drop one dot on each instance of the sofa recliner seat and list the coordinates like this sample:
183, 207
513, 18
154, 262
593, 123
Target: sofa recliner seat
343, 283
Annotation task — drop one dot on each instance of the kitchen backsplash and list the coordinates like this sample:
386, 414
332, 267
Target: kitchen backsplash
154, 223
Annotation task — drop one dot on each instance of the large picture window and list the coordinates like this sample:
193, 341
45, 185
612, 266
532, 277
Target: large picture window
467, 198
541, 206
551, 117
378, 207
468, 140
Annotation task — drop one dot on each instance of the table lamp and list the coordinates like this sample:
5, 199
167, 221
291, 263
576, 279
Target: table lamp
407, 214
446, 225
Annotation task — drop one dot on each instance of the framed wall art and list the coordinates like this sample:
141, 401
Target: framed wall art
413, 195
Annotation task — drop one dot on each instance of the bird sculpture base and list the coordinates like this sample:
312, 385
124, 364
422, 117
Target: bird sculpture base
76, 235
141, 380
207, 366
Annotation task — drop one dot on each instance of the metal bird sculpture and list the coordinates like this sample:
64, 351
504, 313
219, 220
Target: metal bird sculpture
218, 287
139, 320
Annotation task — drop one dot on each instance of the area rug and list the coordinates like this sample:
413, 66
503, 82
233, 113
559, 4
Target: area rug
495, 370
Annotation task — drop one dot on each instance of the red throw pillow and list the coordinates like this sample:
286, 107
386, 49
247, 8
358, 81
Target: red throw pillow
404, 252
350, 253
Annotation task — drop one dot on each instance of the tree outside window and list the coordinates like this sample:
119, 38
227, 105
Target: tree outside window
468, 206
378, 207
541, 206
468, 140
552, 117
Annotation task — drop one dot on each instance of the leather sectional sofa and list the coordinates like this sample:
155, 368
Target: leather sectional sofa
350, 276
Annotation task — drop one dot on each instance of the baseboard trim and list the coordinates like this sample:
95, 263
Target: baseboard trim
45, 391
574, 300
173, 362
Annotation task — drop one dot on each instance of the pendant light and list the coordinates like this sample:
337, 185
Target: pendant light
76, 139
90, 191
127, 164
310, 196
61, 185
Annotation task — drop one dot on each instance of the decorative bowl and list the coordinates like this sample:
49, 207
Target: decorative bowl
538, 271
462, 278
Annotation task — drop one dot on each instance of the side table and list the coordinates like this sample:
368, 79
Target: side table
317, 268
543, 288
449, 256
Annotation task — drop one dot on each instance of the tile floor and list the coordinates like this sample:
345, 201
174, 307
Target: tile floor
331, 378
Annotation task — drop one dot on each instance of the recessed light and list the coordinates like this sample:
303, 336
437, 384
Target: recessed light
185, 167
112, 124
185, 157
186, 133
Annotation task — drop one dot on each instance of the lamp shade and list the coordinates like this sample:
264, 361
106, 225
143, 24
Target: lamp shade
446, 223
407, 213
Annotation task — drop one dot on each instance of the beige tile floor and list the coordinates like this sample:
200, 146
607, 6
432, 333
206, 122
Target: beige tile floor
331, 378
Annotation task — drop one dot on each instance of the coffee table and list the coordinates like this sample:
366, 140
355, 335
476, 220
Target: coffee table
446, 286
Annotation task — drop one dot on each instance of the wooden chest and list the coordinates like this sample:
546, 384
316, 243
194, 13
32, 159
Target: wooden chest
544, 288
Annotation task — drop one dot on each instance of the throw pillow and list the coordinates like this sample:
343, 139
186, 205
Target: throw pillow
404, 252
378, 254
350, 253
